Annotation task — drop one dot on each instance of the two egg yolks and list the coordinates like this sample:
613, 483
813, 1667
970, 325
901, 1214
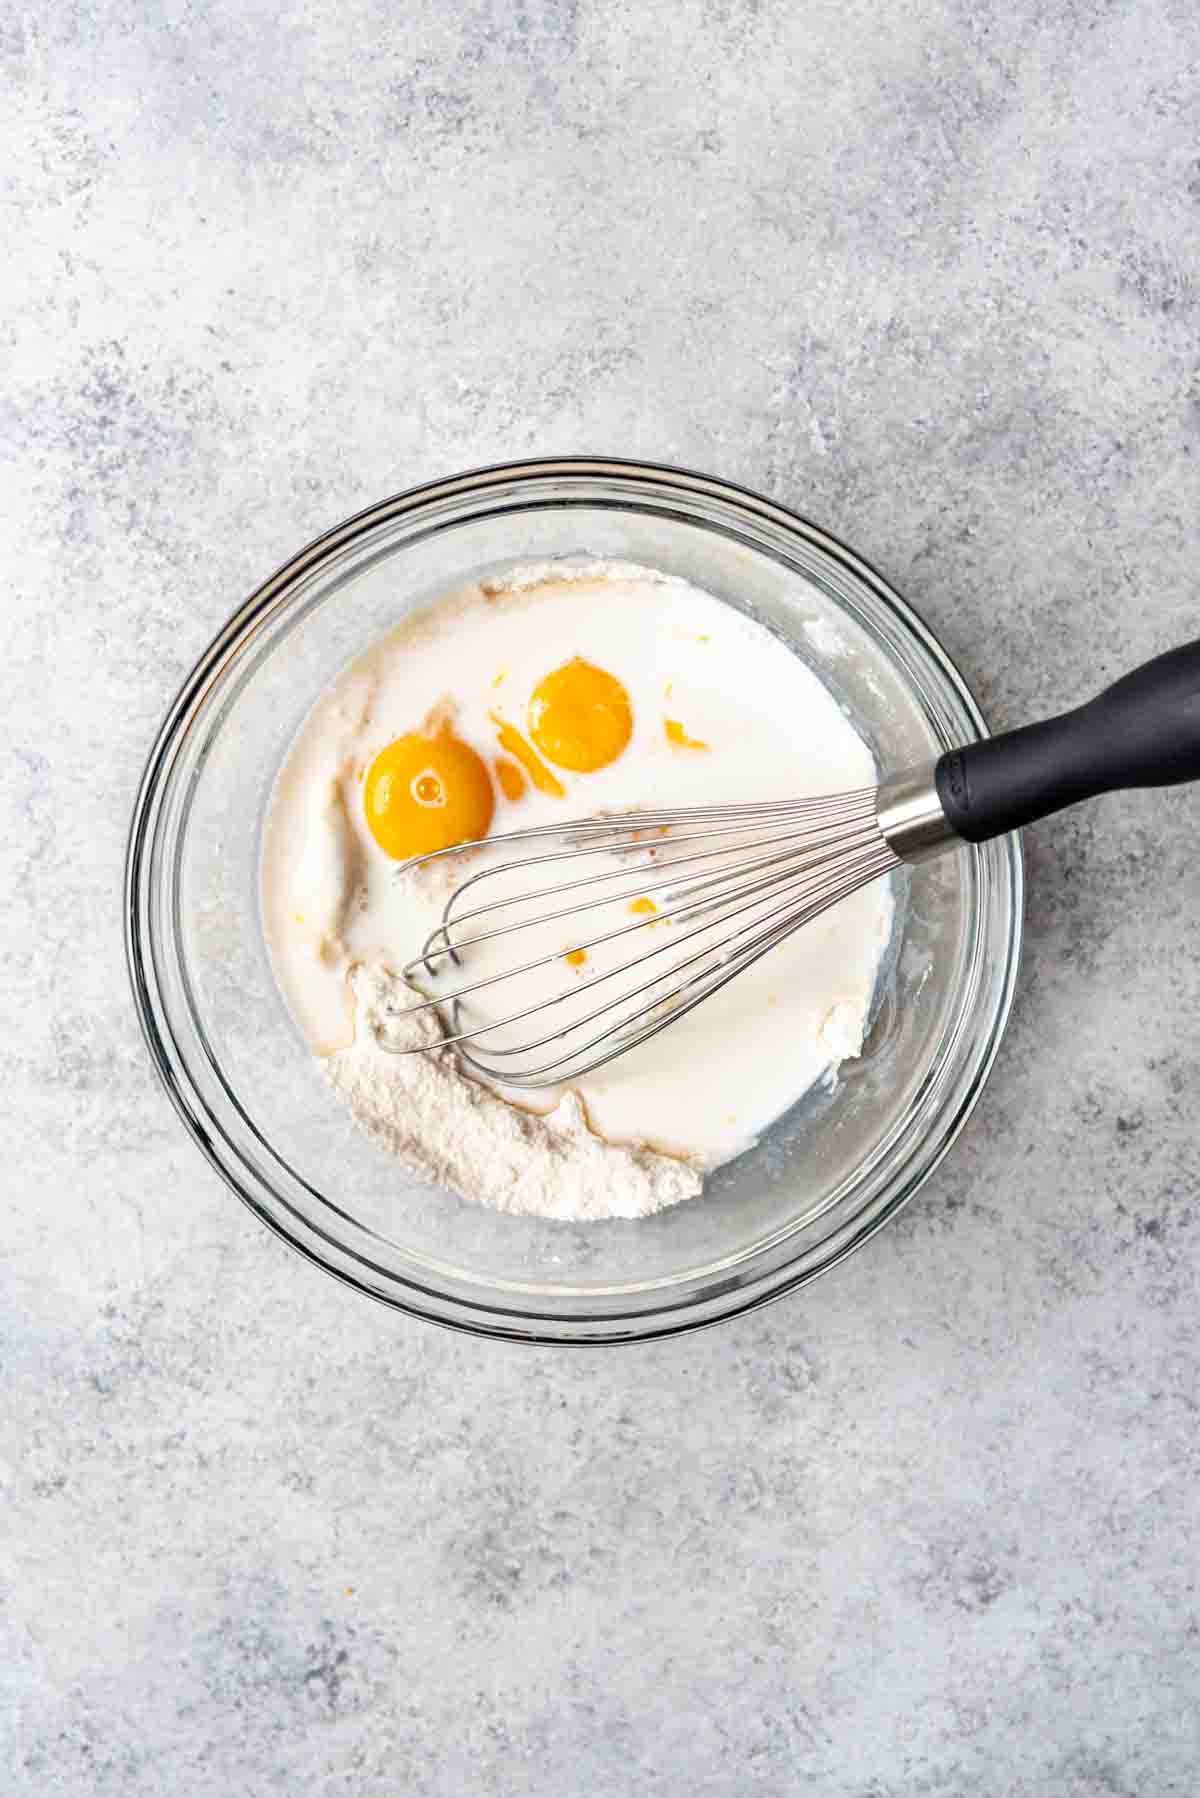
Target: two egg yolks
424, 793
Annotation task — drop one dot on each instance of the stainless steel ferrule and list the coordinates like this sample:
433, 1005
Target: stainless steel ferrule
910, 816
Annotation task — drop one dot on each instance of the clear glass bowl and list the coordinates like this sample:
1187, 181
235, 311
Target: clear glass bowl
824, 1178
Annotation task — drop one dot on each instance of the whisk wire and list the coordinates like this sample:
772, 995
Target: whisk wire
602, 847
744, 894
545, 1075
808, 855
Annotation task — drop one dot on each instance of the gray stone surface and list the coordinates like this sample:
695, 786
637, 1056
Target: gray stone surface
931, 273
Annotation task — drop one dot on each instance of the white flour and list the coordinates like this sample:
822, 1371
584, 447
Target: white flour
455, 1133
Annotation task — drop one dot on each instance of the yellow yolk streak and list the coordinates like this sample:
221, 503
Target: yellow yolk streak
512, 781
678, 738
642, 905
510, 738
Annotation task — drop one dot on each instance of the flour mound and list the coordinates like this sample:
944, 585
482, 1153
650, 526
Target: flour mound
456, 1133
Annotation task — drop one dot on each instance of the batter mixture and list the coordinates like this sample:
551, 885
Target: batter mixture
560, 691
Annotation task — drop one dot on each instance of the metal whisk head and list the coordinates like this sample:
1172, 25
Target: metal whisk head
571, 944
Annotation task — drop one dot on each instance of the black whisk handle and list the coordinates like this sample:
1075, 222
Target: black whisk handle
1143, 731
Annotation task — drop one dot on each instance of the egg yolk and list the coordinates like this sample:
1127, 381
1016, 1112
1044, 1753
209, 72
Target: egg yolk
580, 717
642, 906
424, 793
575, 958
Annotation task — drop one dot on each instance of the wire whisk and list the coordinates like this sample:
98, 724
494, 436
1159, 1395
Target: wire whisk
662, 908
665, 907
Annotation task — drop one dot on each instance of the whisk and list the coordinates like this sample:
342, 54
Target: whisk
664, 907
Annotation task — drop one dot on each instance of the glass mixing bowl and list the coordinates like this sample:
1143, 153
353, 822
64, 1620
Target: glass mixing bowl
823, 1179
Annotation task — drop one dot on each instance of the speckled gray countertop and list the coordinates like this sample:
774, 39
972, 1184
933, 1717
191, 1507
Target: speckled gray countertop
931, 273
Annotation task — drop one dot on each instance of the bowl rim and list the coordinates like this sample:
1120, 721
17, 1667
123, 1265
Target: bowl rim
414, 1300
